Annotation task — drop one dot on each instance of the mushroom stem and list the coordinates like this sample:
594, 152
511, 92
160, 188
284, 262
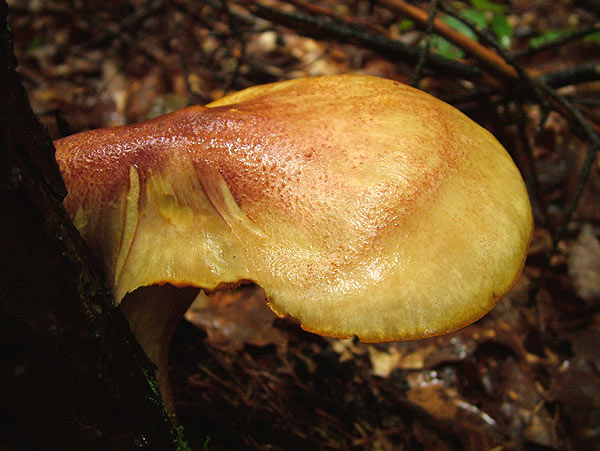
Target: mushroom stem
153, 314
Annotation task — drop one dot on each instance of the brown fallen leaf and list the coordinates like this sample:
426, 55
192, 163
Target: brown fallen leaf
584, 266
232, 319
576, 389
476, 429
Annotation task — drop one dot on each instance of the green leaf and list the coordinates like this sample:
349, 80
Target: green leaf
445, 48
594, 37
459, 26
479, 18
487, 5
502, 29
405, 25
548, 36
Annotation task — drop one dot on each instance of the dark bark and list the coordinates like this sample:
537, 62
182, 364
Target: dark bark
71, 375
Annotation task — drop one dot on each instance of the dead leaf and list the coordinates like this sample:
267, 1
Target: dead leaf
232, 319
584, 265
383, 362
576, 388
477, 429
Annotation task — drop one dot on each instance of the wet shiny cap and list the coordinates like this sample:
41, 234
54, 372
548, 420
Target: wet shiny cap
360, 205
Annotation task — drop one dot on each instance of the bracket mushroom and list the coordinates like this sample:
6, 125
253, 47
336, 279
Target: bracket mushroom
363, 207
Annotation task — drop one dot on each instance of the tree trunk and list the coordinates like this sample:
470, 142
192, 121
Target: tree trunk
71, 374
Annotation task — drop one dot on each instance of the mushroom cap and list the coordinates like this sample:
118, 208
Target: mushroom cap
360, 205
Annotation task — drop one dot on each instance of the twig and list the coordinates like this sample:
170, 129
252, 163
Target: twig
130, 22
519, 117
311, 8
537, 85
318, 26
235, 11
558, 42
558, 79
572, 75
544, 115
234, 24
418, 73
572, 205
186, 9
470, 46
561, 230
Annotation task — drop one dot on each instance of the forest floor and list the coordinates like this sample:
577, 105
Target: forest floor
526, 376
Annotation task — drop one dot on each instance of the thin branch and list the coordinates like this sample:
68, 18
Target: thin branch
561, 230
348, 20
235, 11
418, 73
520, 119
470, 46
544, 116
538, 86
558, 79
572, 75
319, 27
130, 22
572, 206
558, 42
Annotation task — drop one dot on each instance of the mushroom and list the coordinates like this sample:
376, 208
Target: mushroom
363, 207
